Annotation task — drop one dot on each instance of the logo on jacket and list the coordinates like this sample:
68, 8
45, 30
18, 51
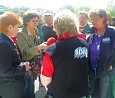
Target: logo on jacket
106, 40
80, 52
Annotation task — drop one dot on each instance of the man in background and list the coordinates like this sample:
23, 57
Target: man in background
47, 29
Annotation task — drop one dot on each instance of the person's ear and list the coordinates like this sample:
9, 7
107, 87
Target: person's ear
9, 27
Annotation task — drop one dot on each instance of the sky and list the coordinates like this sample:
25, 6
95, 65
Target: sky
54, 4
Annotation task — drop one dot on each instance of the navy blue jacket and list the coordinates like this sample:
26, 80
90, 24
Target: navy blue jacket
11, 79
107, 51
70, 77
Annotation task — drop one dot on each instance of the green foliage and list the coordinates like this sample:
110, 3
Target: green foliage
87, 9
21, 10
68, 7
40, 10
111, 8
3, 9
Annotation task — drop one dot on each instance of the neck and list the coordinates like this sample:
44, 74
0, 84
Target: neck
66, 35
101, 31
8, 34
49, 25
82, 26
31, 30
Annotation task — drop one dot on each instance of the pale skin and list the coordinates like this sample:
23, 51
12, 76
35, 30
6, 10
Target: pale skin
98, 23
45, 80
82, 19
110, 68
49, 20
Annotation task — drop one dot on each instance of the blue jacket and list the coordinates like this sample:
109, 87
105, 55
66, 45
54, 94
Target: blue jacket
11, 77
70, 77
107, 51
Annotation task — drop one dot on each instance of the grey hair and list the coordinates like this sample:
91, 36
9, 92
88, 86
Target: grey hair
65, 21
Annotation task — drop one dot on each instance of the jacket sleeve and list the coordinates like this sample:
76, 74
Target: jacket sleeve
112, 57
5, 57
27, 51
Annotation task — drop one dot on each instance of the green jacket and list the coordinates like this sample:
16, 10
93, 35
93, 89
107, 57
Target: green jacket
27, 46
86, 30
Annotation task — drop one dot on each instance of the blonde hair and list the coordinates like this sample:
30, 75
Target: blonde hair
65, 22
100, 12
9, 18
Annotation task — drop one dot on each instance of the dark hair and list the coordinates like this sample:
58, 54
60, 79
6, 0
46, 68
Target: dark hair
29, 15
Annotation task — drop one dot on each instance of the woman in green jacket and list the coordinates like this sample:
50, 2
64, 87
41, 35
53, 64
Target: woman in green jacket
28, 44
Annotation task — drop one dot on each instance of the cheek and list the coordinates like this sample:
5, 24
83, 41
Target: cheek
94, 21
85, 20
36, 23
16, 30
80, 20
30, 24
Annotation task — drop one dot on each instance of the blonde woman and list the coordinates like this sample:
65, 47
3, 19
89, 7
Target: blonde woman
65, 64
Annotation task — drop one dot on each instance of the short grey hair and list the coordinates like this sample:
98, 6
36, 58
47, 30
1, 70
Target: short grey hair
65, 22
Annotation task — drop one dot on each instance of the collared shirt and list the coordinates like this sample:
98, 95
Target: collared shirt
94, 50
8, 37
29, 33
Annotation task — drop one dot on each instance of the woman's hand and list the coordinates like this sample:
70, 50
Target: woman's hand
27, 66
42, 46
110, 68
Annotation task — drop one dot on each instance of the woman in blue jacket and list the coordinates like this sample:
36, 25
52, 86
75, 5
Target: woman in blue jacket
102, 54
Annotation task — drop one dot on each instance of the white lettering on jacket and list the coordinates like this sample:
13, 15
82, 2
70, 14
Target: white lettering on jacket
80, 52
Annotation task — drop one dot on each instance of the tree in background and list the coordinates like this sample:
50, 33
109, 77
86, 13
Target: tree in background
20, 10
111, 8
76, 9
69, 7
